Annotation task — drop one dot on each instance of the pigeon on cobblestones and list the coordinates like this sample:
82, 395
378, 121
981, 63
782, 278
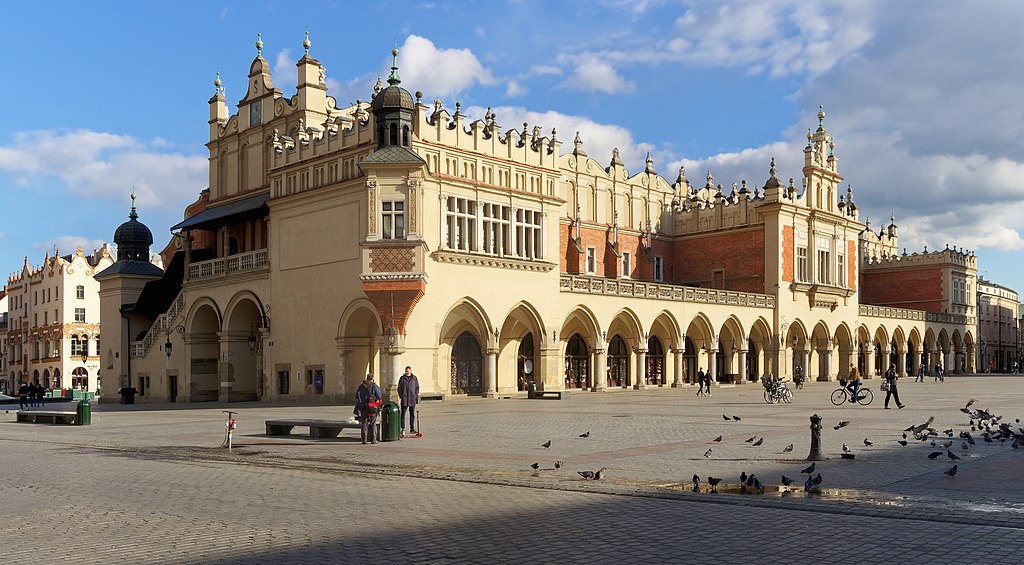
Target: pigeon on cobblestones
707, 454
951, 472
586, 474
717, 439
809, 469
867, 442
726, 418
841, 424
934, 454
902, 442
587, 434
743, 477
558, 464
952, 456
535, 466
758, 442
696, 480
751, 440
846, 448
546, 444
786, 481
736, 418
713, 483
788, 448
599, 474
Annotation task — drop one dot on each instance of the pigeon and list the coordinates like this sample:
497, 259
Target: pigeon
758, 442
743, 477
749, 481
934, 454
587, 434
786, 481
817, 479
707, 454
788, 448
841, 424
717, 439
969, 402
599, 474
758, 484
867, 442
751, 440
546, 444
902, 442
726, 418
809, 469
586, 474
535, 466
963, 446
696, 480
736, 418
558, 464
922, 427
952, 456
713, 482
846, 448
951, 472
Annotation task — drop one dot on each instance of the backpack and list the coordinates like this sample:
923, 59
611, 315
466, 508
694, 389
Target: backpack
373, 405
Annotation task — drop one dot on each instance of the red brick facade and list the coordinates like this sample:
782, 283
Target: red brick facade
739, 254
918, 289
851, 265
788, 260
400, 295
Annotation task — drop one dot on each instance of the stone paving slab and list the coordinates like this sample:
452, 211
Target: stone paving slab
475, 450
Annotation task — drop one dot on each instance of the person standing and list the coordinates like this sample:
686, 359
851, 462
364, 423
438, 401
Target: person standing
409, 394
700, 382
23, 396
369, 398
891, 377
31, 395
920, 374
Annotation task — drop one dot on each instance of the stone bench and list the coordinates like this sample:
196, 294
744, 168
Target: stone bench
554, 394
318, 429
46, 417
437, 396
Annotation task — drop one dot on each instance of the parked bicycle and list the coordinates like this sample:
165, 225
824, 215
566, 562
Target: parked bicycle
775, 391
842, 395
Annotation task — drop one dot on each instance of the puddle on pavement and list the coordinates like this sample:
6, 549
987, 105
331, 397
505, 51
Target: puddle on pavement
736, 489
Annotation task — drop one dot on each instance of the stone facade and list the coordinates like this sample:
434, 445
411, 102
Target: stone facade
53, 320
998, 331
350, 240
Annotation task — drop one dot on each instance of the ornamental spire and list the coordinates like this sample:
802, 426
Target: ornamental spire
306, 43
133, 215
393, 79
259, 45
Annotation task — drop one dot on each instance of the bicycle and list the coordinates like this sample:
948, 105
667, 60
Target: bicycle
841, 395
776, 391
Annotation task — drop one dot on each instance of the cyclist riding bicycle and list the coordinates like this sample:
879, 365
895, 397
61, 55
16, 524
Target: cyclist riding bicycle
853, 383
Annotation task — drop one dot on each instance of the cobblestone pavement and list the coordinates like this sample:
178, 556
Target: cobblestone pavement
149, 484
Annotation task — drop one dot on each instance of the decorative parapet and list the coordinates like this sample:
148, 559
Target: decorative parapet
458, 258
659, 291
243, 262
892, 313
956, 319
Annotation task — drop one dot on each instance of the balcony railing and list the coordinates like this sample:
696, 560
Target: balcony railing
241, 263
661, 291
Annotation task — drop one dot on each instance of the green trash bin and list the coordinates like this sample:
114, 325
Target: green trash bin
390, 426
83, 412
531, 387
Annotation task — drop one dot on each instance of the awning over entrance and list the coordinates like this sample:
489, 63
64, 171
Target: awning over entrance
253, 206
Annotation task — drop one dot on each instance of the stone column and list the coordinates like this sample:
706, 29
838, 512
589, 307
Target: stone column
741, 366
869, 362
945, 362
600, 371
901, 360
677, 368
712, 353
491, 374
826, 362
640, 374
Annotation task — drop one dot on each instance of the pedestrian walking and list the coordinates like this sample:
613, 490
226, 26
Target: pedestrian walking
409, 394
369, 399
32, 395
890, 378
702, 378
23, 403
40, 396
920, 374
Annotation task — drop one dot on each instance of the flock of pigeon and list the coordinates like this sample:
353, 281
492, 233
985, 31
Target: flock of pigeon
587, 475
989, 426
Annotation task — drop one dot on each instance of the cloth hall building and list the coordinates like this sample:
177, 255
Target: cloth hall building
333, 242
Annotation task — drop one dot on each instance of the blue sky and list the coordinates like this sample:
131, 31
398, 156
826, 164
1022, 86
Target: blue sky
923, 98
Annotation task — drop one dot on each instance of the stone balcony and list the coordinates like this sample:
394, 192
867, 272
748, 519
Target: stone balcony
224, 266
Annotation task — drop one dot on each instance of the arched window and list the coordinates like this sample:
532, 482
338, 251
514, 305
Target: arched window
405, 136
618, 363
393, 134
577, 363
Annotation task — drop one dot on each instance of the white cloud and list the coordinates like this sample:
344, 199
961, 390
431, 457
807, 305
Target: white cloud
101, 164
541, 70
594, 75
439, 72
514, 89
65, 244
286, 74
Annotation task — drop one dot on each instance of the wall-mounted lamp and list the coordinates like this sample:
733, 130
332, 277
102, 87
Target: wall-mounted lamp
391, 335
167, 344
496, 334
796, 340
554, 335
252, 340
85, 356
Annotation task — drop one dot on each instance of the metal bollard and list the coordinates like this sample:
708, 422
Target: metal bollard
815, 454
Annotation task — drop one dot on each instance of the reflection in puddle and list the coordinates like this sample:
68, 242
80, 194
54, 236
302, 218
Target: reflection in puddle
733, 489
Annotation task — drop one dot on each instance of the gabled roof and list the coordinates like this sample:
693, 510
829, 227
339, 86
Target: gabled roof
144, 268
